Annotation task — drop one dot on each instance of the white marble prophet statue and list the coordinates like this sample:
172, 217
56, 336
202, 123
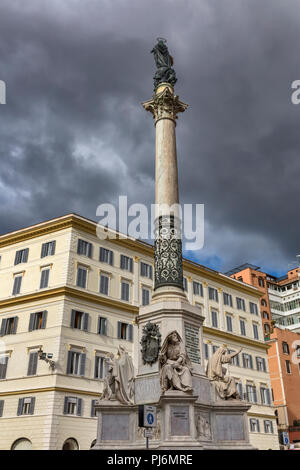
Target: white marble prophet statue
175, 365
225, 385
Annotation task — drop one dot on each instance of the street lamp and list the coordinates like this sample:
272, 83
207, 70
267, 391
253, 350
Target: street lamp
47, 357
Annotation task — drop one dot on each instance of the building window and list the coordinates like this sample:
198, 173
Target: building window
265, 396
76, 363
239, 386
240, 303
261, 282
48, 249
268, 425
253, 308
9, 326
37, 320
93, 413
145, 296
255, 331
263, 302
229, 322
125, 291
247, 361
3, 366
79, 320
104, 283
146, 270
21, 256
84, 248
125, 331
17, 285
126, 263
285, 348
261, 364
214, 319
106, 256
254, 425
32, 363
206, 351
185, 288
227, 299
26, 406
288, 367
267, 328
243, 327
235, 360
197, 288
99, 367
44, 278
81, 277
213, 294
266, 315
214, 348
251, 393
72, 406
102, 326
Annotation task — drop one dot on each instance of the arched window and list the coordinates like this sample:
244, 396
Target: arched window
93, 443
266, 315
263, 302
70, 444
261, 282
22, 444
267, 328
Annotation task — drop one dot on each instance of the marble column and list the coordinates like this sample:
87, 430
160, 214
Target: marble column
168, 274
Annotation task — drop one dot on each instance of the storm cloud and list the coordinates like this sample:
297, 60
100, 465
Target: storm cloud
73, 133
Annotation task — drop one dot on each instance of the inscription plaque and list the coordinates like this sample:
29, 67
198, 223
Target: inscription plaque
180, 423
115, 427
192, 342
230, 428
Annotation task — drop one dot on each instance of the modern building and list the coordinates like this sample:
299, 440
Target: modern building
69, 296
280, 312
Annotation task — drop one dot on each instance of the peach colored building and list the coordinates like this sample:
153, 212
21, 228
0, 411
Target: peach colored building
284, 367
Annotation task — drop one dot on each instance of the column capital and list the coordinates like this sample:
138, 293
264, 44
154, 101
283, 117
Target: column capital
164, 104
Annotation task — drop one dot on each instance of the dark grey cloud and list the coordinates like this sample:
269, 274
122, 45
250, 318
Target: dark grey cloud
73, 133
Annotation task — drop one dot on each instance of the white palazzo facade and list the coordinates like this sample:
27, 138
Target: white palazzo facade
75, 297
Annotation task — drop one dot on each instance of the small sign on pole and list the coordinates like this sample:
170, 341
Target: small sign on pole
147, 420
285, 438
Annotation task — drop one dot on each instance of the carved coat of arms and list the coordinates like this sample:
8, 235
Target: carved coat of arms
150, 343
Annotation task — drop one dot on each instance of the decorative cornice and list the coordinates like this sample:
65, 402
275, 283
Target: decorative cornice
232, 337
49, 389
72, 292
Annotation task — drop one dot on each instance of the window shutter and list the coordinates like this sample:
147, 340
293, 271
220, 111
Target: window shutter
85, 322
257, 363
3, 326
111, 258
1, 407
25, 257
79, 247
251, 362
131, 264
3, 369
90, 250
268, 396
32, 403
93, 411
150, 272
265, 426
14, 330
65, 406
255, 394
17, 257
32, 365
82, 364
79, 406
258, 426
31, 322
121, 261
44, 319
96, 368
20, 406
99, 326
53, 245
73, 313
101, 254
44, 248
206, 350
264, 365
130, 332
119, 329
69, 361
244, 360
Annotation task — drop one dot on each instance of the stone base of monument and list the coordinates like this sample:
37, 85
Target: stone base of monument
185, 421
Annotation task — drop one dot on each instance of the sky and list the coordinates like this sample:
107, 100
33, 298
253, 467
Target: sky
73, 133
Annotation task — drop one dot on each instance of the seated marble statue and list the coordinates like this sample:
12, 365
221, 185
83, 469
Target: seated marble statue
175, 365
119, 380
225, 385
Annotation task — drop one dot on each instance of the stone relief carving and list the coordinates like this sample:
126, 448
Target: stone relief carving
150, 343
119, 380
157, 430
175, 365
203, 426
224, 384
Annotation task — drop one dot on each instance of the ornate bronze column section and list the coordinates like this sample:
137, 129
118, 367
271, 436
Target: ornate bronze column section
164, 107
